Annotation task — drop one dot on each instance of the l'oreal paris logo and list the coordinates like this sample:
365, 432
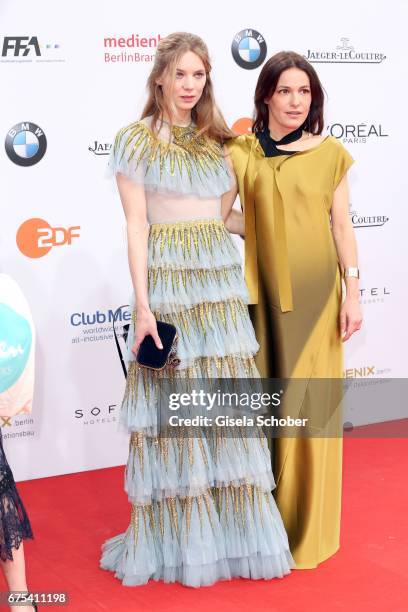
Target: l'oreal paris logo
356, 133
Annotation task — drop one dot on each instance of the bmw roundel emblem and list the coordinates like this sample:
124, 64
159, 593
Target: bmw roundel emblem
249, 49
25, 144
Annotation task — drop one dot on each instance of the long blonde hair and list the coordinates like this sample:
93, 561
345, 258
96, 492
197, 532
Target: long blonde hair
205, 114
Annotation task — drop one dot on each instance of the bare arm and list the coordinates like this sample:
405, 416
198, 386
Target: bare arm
134, 206
233, 219
235, 222
346, 246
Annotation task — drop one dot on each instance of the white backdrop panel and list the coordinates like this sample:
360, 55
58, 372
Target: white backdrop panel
79, 99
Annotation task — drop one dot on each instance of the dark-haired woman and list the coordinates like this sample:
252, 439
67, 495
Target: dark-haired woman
299, 242
17, 349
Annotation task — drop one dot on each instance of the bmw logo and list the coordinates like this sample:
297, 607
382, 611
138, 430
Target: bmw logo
249, 49
25, 144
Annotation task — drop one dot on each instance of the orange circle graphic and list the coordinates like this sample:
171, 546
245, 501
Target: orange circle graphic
30, 240
242, 126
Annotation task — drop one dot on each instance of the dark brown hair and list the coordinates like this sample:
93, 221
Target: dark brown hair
266, 85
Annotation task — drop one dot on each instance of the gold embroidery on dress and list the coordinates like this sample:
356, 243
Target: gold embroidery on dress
203, 315
202, 232
161, 519
136, 441
193, 275
202, 367
188, 150
135, 523
200, 511
224, 498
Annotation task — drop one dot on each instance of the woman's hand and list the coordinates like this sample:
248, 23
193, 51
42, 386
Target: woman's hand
145, 326
350, 318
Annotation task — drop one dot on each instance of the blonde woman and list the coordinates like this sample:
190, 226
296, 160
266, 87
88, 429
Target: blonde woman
201, 512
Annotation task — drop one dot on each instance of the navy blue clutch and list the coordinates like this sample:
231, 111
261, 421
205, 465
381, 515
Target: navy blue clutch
149, 356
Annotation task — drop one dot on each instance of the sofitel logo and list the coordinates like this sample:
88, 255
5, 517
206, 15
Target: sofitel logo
344, 54
97, 415
374, 295
100, 148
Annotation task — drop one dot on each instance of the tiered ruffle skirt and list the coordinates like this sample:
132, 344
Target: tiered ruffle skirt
202, 508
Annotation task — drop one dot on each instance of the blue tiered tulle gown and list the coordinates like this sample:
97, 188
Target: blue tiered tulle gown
201, 511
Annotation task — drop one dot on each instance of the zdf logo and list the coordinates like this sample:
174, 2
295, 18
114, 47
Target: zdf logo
35, 237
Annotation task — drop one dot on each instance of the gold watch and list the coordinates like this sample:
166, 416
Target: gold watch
351, 272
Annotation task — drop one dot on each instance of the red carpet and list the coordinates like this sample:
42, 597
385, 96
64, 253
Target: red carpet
72, 515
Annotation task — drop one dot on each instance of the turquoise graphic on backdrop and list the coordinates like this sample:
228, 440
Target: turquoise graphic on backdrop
15, 345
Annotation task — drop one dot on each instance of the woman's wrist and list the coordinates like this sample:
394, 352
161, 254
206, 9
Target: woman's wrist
142, 309
352, 297
352, 288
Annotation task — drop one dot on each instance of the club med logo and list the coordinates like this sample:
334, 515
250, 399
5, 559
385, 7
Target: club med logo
35, 237
249, 49
98, 326
130, 42
25, 144
99, 317
100, 148
242, 126
344, 53
20, 49
367, 221
356, 133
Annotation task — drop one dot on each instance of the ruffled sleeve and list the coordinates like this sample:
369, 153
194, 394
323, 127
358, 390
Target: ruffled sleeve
343, 162
162, 166
130, 151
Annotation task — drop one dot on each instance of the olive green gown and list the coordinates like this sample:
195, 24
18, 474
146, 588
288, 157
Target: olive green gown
293, 276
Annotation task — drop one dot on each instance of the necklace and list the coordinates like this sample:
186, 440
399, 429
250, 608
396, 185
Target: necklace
182, 134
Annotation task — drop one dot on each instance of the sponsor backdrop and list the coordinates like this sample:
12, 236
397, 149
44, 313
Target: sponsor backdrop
73, 73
